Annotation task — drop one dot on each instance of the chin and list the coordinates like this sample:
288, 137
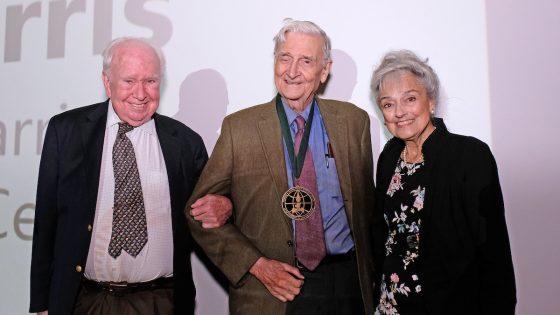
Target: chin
401, 134
137, 121
291, 94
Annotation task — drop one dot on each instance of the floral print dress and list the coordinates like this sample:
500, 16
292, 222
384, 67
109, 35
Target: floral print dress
401, 286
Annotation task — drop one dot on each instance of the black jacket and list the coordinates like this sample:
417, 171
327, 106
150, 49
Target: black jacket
464, 255
67, 195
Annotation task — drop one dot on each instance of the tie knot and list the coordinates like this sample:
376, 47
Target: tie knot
124, 128
300, 122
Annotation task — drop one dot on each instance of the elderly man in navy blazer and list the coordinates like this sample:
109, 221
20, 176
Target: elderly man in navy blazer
110, 236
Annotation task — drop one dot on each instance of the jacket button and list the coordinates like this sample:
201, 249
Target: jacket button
290, 243
78, 268
89, 227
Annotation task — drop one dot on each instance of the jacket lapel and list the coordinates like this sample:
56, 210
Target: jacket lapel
170, 148
337, 130
270, 135
92, 131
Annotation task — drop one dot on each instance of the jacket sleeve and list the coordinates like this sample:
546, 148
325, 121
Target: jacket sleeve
495, 268
226, 246
45, 221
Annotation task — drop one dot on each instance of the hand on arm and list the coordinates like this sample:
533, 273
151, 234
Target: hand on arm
211, 210
283, 281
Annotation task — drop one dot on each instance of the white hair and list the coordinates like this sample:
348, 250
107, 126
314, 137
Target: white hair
110, 49
406, 61
305, 27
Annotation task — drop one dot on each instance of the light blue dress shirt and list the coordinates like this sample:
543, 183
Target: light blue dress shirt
338, 236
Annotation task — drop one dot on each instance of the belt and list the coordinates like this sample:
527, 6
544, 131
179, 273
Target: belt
332, 259
122, 288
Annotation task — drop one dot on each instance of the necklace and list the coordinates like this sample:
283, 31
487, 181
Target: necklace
418, 160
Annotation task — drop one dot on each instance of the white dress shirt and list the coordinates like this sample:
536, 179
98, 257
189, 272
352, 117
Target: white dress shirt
156, 258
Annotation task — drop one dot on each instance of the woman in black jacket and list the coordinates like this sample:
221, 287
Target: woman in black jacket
441, 242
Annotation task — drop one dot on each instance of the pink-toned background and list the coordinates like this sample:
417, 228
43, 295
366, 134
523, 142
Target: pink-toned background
497, 60
524, 67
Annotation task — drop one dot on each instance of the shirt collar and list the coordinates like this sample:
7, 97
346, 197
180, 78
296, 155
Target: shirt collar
291, 114
113, 119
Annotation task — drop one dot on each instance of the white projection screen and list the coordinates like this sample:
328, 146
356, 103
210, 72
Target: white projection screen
497, 61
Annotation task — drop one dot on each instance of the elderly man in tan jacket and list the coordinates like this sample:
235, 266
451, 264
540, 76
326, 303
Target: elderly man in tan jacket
299, 172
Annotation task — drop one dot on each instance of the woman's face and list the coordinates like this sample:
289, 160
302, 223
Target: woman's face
406, 106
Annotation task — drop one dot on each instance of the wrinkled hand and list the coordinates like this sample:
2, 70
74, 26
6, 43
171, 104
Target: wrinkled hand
283, 281
211, 210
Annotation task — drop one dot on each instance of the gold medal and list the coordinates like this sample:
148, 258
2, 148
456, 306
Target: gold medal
298, 203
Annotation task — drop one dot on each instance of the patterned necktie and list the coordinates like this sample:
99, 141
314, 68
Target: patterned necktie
310, 237
129, 231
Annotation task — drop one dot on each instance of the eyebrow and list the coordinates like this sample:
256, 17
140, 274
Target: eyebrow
285, 53
384, 97
411, 91
405, 92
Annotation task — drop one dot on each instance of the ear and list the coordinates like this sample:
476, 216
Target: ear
325, 72
106, 84
432, 103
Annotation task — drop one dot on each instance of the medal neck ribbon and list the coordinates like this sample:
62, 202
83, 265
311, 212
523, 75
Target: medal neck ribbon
295, 161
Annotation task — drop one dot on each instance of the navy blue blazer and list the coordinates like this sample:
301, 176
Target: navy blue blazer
464, 253
67, 195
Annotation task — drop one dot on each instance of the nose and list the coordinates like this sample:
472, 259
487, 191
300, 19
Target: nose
293, 69
139, 92
399, 110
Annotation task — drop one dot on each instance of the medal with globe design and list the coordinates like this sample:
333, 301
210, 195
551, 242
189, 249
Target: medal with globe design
298, 203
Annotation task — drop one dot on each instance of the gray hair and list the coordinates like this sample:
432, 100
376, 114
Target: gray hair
110, 49
305, 27
406, 61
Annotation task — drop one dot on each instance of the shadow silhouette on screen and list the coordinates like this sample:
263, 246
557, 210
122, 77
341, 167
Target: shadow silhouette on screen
340, 86
203, 101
